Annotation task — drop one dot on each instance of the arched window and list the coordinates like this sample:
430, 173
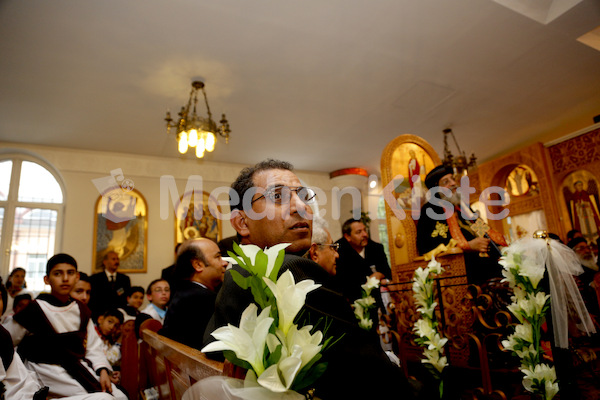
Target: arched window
31, 214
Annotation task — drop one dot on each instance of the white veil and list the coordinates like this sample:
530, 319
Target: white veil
561, 263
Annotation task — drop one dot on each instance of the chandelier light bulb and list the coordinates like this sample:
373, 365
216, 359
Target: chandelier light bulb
183, 143
193, 138
202, 142
210, 141
199, 151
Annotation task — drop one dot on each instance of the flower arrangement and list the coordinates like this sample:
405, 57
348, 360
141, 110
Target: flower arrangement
363, 306
529, 305
280, 356
426, 326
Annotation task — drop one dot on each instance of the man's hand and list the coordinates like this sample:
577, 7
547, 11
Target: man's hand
377, 275
480, 244
105, 381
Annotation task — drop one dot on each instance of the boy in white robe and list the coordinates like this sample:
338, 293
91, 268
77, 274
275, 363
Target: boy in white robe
57, 338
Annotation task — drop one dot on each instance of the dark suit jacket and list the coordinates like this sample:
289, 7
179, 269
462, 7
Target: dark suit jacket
353, 270
358, 351
104, 296
189, 313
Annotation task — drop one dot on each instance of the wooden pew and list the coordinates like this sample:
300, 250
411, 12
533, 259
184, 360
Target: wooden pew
173, 367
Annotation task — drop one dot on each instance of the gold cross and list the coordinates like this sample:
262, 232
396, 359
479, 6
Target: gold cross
480, 227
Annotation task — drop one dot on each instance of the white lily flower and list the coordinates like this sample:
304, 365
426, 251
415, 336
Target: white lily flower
515, 309
279, 377
421, 275
290, 297
551, 389
436, 342
510, 343
365, 302
371, 284
524, 331
534, 272
526, 351
365, 324
248, 341
433, 357
539, 301
434, 266
424, 328
428, 311
309, 343
541, 372
508, 277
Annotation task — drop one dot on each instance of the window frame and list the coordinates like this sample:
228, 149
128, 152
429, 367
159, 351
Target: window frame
12, 203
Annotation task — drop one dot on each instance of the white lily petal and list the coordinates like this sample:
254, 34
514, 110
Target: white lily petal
250, 251
272, 253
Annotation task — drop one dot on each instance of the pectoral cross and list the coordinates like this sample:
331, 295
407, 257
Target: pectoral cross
480, 228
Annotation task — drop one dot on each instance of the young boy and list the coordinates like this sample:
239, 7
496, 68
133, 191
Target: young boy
159, 294
57, 338
135, 297
109, 329
82, 289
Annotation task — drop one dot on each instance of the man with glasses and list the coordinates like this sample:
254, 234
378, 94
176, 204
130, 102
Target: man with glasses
322, 249
589, 280
269, 205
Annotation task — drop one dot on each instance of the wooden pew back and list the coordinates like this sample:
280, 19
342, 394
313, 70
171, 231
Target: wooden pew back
173, 366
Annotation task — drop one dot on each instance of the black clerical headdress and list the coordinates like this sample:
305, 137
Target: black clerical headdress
433, 177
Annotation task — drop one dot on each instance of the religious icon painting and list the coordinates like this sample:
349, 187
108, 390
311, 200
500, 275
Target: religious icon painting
197, 215
522, 181
410, 164
581, 199
121, 225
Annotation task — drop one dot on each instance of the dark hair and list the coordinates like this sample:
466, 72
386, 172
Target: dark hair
113, 312
574, 242
347, 226
571, 234
8, 281
554, 236
245, 181
187, 253
4, 295
20, 298
60, 258
149, 290
134, 289
84, 277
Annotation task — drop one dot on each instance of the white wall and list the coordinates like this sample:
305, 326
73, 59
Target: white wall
78, 168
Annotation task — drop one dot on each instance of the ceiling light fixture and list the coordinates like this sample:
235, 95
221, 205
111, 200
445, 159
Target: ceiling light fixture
193, 130
460, 164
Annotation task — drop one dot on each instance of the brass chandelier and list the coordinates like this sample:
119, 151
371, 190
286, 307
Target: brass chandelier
460, 164
192, 130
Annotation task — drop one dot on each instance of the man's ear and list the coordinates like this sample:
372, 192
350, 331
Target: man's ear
312, 251
46, 281
198, 265
347, 237
239, 221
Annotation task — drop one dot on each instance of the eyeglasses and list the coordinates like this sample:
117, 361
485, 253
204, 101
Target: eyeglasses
334, 246
283, 194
